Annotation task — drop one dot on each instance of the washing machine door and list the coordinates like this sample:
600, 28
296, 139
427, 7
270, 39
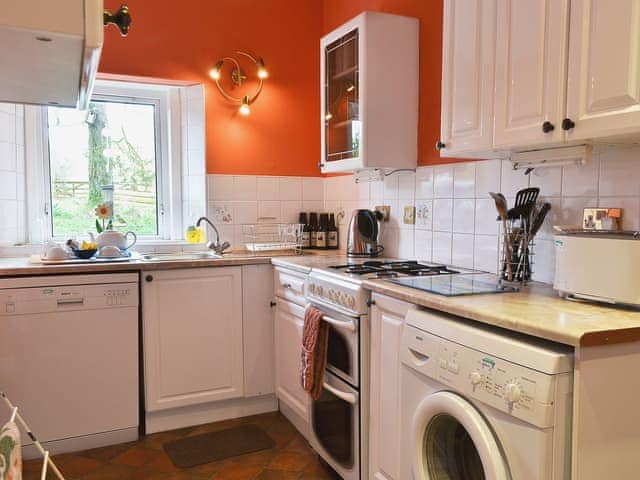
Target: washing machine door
452, 441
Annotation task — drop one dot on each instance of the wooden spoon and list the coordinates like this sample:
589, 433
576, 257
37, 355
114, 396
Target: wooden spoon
501, 207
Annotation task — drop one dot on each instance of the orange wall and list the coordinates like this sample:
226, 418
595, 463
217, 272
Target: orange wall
182, 41
429, 12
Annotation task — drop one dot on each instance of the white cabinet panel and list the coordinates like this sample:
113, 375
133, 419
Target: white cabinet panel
387, 322
467, 76
289, 321
192, 330
531, 51
604, 61
257, 322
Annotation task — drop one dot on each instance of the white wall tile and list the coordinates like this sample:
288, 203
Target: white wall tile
485, 217
512, 180
544, 261
485, 253
424, 182
291, 188
245, 212
268, 188
406, 186
581, 180
220, 211
548, 180
245, 187
424, 214
423, 240
390, 187
391, 242
464, 179
443, 214
376, 192
572, 207
552, 218
442, 247
619, 173
443, 181
463, 215
220, 187
290, 211
487, 177
462, 250
312, 189
269, 211
406, 245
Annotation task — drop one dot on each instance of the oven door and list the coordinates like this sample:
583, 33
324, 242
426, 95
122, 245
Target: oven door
335, 426
343, 351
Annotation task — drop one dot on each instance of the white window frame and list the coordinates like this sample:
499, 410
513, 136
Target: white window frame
169, 168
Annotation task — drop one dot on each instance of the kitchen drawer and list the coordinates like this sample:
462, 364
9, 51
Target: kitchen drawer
289, 285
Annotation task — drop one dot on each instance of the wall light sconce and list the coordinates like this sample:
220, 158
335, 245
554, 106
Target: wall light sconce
238, 77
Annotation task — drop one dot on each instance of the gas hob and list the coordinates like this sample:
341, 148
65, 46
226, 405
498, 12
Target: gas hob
370, 269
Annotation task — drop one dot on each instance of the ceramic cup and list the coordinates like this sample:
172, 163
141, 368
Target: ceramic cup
53, 251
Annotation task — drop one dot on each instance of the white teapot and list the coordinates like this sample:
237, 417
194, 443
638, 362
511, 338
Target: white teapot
116, 239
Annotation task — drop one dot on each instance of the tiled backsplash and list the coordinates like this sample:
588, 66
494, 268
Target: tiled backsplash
456, 218
12, 180
236, 200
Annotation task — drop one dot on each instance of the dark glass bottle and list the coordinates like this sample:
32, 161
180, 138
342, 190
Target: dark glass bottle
313, 229
321, 235
332, 233
306, 232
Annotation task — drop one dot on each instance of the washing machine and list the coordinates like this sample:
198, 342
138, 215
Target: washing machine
480, 403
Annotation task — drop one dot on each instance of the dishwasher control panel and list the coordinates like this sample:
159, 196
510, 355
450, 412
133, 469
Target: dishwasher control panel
23, 301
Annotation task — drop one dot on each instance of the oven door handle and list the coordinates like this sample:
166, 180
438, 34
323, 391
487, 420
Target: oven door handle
339, 324
347, 397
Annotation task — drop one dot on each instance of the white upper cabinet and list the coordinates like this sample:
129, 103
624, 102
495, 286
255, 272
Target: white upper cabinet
467, 77
369, 69
557, 73
531, 49
604, 69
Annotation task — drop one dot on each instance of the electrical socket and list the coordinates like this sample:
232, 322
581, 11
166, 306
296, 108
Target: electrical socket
409, 215
385, 210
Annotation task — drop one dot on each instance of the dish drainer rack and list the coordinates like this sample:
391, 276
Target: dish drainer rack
517, 249
264, 237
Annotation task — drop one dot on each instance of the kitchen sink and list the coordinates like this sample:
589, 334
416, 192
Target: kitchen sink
179, 256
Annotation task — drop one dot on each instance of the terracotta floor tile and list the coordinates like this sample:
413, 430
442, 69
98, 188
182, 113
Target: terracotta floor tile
291, 461
73, 466
237, 472
105, 454
111, 472
277, 475
135, 456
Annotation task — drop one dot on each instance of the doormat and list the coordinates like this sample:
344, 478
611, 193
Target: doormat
214, 446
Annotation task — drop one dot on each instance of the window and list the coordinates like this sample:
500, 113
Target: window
106, 154
139, 146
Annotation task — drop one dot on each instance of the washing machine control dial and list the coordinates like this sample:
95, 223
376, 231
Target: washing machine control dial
475, 377
513, 392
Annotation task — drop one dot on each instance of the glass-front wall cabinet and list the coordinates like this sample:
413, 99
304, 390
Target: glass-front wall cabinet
343, 128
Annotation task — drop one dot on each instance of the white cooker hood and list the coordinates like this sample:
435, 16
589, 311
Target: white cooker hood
50, 51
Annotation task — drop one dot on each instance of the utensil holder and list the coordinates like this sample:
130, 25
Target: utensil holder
520, 252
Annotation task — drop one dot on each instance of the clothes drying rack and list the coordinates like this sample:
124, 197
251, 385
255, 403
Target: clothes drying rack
47, 461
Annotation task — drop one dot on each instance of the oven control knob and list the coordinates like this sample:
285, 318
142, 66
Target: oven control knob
351, 301
513, 392
476, 378
312, 288
319, 290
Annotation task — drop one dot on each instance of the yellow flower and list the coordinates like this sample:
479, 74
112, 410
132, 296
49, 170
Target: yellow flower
103, 211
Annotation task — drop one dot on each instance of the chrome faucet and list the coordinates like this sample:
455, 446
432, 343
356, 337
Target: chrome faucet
215, 246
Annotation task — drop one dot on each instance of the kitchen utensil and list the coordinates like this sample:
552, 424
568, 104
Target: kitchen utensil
501, 207
538, 219
364, 233
116, 239
525, 201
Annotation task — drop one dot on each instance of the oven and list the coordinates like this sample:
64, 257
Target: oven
336, 427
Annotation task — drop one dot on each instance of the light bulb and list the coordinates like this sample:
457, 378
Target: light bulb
351, 88
215, 71
262, 72
328, 116
244, 108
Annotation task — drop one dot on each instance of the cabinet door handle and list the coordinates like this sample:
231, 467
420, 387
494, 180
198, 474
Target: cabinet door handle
548, 127
272, 304
568, 124
440, 145
286, 285
320, 165
149, 278
346, 396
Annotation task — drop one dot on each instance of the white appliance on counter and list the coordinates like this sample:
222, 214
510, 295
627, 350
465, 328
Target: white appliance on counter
480, 403
52, 51
69, 357
598, 265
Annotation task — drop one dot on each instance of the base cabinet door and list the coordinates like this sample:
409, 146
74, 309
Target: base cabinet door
603, 91
387, 321
192, 331
289, 321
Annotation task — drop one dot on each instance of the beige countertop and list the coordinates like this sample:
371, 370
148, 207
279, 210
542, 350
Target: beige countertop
535, 310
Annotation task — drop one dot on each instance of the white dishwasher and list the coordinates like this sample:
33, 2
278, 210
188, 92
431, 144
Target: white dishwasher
69, 358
